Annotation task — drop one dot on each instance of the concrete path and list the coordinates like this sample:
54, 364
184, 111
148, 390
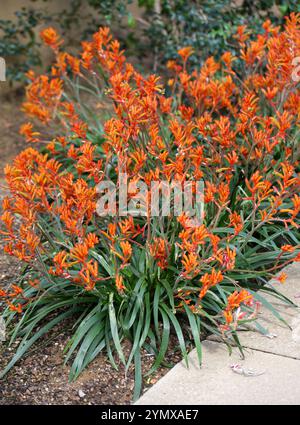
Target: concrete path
274, 359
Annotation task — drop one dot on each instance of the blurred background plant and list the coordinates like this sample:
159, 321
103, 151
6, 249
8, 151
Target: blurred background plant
153, 30
19, 41
206, 25
18, 44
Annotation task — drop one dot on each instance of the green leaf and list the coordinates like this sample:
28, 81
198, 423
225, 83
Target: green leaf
164, 343
138, 381
179, 333
95, 316
195, 328
269, 306
83, 358
114, 329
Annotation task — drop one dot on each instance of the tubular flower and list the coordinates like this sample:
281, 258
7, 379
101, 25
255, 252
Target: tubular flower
51, 38
159, 250
30, 135
234, 301
209, 280
190, 264
126, 250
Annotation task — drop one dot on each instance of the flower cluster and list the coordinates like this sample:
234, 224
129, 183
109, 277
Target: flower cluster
233, 124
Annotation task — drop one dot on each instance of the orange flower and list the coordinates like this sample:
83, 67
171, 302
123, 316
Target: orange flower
91, 240
16, 291
234, 300
296, 206
127, 251
228, 59
159, 250
226, 257
288, 248
258, 186
209, 280
190, 263
282, 277
232, 158
79, 253
3, 293
224, 192
34, 283
51, 38
242, 34
185, 53
228, 316
8, 219
237, 222
27, 131
17, 308
120, 283
60, 262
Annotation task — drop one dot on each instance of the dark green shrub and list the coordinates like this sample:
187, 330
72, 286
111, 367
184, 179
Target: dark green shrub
206, 25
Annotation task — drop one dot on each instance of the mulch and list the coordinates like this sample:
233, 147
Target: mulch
41, 378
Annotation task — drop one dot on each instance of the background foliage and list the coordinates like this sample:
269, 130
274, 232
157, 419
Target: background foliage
155, 32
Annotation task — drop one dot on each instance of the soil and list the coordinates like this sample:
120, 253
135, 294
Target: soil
42, 379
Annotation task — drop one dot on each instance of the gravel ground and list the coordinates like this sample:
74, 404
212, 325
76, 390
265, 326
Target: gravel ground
42, 379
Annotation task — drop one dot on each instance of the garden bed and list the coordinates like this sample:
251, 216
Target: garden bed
230, 139
41, 378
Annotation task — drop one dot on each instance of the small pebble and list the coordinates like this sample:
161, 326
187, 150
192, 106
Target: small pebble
81, 394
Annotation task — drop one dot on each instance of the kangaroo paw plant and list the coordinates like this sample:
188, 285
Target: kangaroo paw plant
145, 268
